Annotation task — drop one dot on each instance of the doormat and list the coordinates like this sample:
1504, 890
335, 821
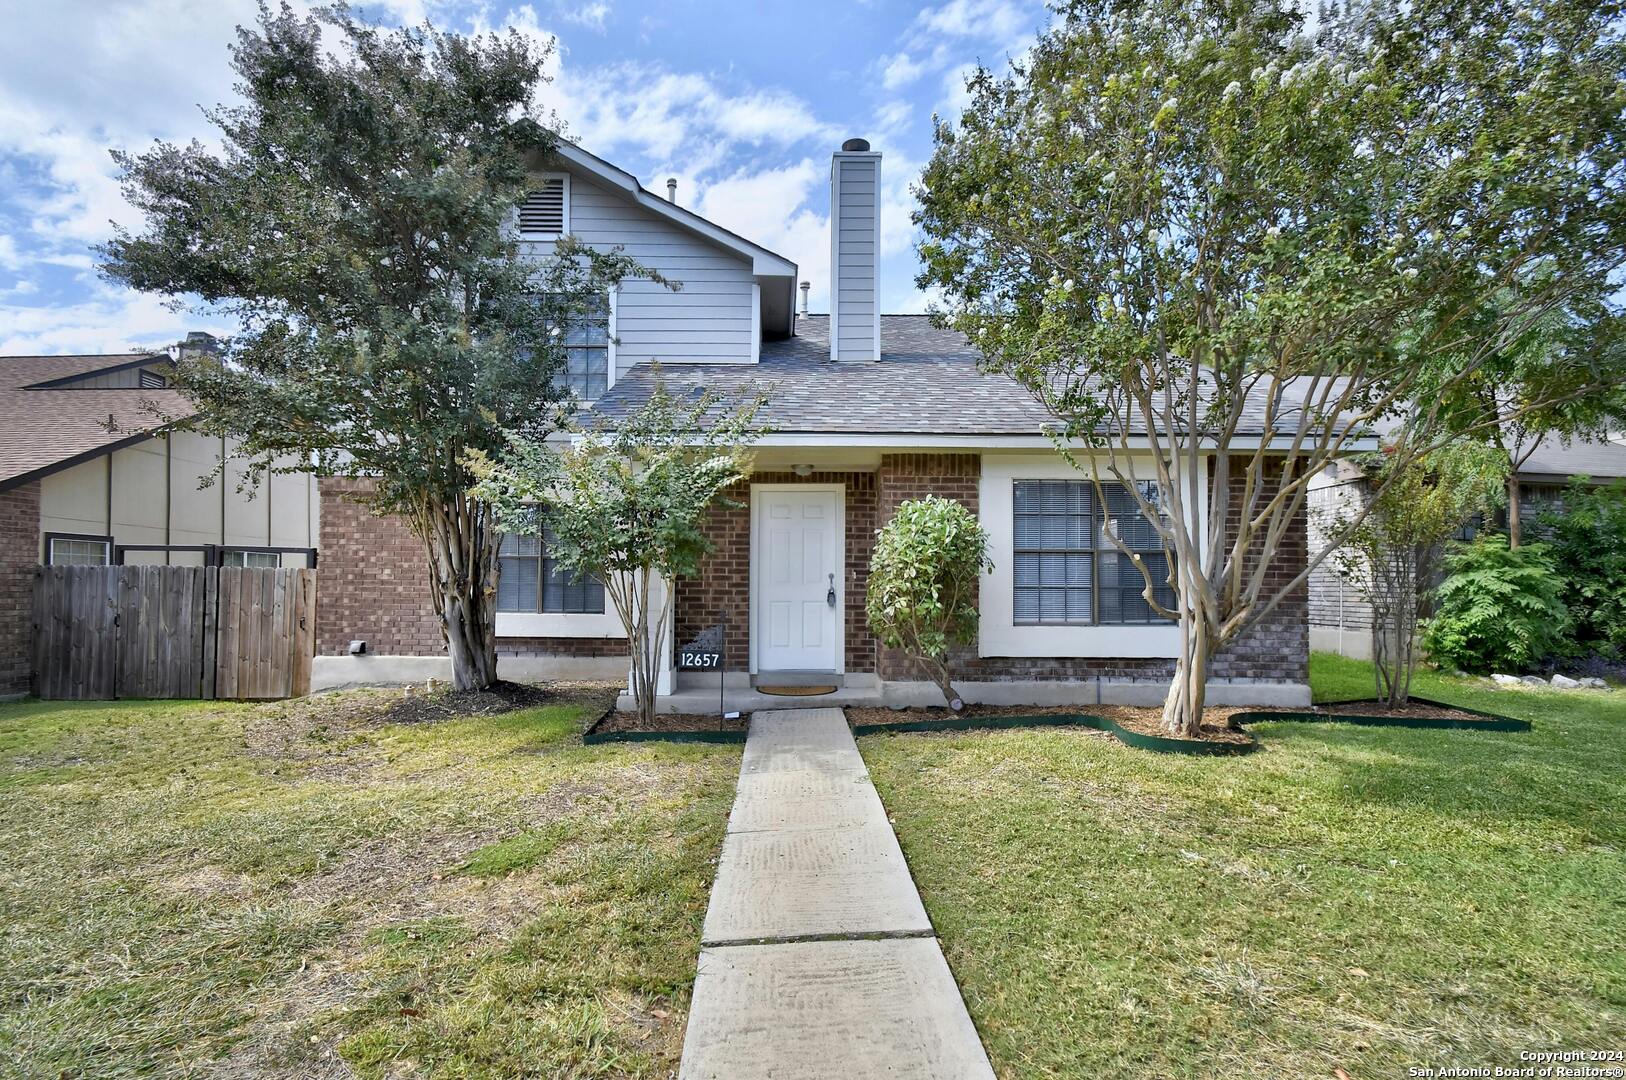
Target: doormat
796, 691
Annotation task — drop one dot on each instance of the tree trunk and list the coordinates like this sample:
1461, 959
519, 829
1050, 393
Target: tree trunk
1183, 708
461, 542
938, 669
1514, 529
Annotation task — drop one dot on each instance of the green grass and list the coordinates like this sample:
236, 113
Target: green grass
262, 890
1363, 898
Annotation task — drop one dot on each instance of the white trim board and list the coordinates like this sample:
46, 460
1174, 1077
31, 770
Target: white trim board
997, 632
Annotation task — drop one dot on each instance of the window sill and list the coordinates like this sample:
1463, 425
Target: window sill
1079, 641
552, 624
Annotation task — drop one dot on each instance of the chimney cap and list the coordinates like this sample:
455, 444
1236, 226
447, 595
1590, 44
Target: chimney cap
855, 146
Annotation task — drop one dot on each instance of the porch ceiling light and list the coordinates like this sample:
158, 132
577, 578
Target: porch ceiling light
803, 471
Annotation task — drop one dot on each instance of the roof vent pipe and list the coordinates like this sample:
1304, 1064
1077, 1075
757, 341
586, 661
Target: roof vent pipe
671, 189
807, 287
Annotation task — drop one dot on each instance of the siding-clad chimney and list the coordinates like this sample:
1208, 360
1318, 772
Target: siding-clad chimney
855, 242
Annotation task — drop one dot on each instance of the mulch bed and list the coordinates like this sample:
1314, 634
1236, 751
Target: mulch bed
1415, 710
629, 721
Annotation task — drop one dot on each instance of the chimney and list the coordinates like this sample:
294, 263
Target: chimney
855, 241
807, 287
671, 189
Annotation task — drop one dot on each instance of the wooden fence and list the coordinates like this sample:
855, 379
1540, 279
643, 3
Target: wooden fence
173, 632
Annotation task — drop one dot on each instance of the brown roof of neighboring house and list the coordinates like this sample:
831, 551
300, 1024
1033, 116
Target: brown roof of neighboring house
45, 430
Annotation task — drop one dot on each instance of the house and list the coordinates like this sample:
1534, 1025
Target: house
1341, 618
866, 410
90, 475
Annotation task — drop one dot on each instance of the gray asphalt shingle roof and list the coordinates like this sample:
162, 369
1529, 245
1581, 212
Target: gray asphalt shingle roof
926, 383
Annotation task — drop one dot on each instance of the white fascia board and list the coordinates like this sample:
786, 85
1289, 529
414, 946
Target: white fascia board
1000, 442
764, 263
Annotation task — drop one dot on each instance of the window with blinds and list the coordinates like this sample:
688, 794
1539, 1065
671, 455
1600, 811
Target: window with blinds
546, 209
78, 551
530, 581
1066, 569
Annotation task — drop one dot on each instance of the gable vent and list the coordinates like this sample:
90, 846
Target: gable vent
544, 209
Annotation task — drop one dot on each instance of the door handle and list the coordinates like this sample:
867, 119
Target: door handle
830, 597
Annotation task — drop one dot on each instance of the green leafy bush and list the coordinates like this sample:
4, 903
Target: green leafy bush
922, 591
1587, 537
1499, 610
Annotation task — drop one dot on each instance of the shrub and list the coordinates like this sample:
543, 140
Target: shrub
922, 589
1587, 536
1499, 609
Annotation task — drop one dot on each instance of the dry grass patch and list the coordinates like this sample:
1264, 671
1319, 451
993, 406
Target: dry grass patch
285, 890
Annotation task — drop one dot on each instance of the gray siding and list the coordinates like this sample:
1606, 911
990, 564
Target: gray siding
710, 319
854, 248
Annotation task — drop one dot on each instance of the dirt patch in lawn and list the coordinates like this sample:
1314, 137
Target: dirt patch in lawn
627, 721
320, 730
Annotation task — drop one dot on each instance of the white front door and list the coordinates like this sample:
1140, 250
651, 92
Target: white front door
799, 556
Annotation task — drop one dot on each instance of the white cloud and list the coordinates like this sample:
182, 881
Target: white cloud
996, 20
591, 15
901, 70
768, 207
107, 320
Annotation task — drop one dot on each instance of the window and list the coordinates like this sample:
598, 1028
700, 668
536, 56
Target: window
78, 551
1066, 569
587, 352
253, 559
546, 209
529, 581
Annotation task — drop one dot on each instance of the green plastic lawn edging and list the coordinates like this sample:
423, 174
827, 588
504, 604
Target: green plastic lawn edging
1139, 740
1490, 721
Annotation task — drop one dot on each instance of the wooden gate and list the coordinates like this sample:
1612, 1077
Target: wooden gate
173, 632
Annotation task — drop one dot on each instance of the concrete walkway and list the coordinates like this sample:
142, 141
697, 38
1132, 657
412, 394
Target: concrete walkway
817, 959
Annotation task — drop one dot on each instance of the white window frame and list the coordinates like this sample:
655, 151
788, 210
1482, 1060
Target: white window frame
564, 216
78, 538
998, 633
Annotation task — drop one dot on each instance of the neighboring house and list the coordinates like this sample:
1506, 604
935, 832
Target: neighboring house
88, 476
1341, 618
866, 410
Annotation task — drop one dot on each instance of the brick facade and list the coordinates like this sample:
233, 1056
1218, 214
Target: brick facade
373, 584
19, 556
724, 581
372, 580
1274, 650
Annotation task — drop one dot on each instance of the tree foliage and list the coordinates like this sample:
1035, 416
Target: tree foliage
1389, 556
1499, 610
921, 595
1185, 226
1586, 534
627, 503
355, 220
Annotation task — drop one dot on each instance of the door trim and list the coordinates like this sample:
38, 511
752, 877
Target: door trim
841, 563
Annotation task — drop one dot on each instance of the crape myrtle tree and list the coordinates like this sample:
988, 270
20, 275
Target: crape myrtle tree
355, 219
1193, 229
626, 503
1572, 368
1392, 555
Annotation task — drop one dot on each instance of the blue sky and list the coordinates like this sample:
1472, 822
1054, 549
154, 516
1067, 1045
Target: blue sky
743, 103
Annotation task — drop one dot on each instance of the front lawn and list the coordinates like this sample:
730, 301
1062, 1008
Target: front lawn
1359, 898
298, 890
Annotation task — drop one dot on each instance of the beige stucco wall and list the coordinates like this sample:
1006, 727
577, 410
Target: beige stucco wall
149, 493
